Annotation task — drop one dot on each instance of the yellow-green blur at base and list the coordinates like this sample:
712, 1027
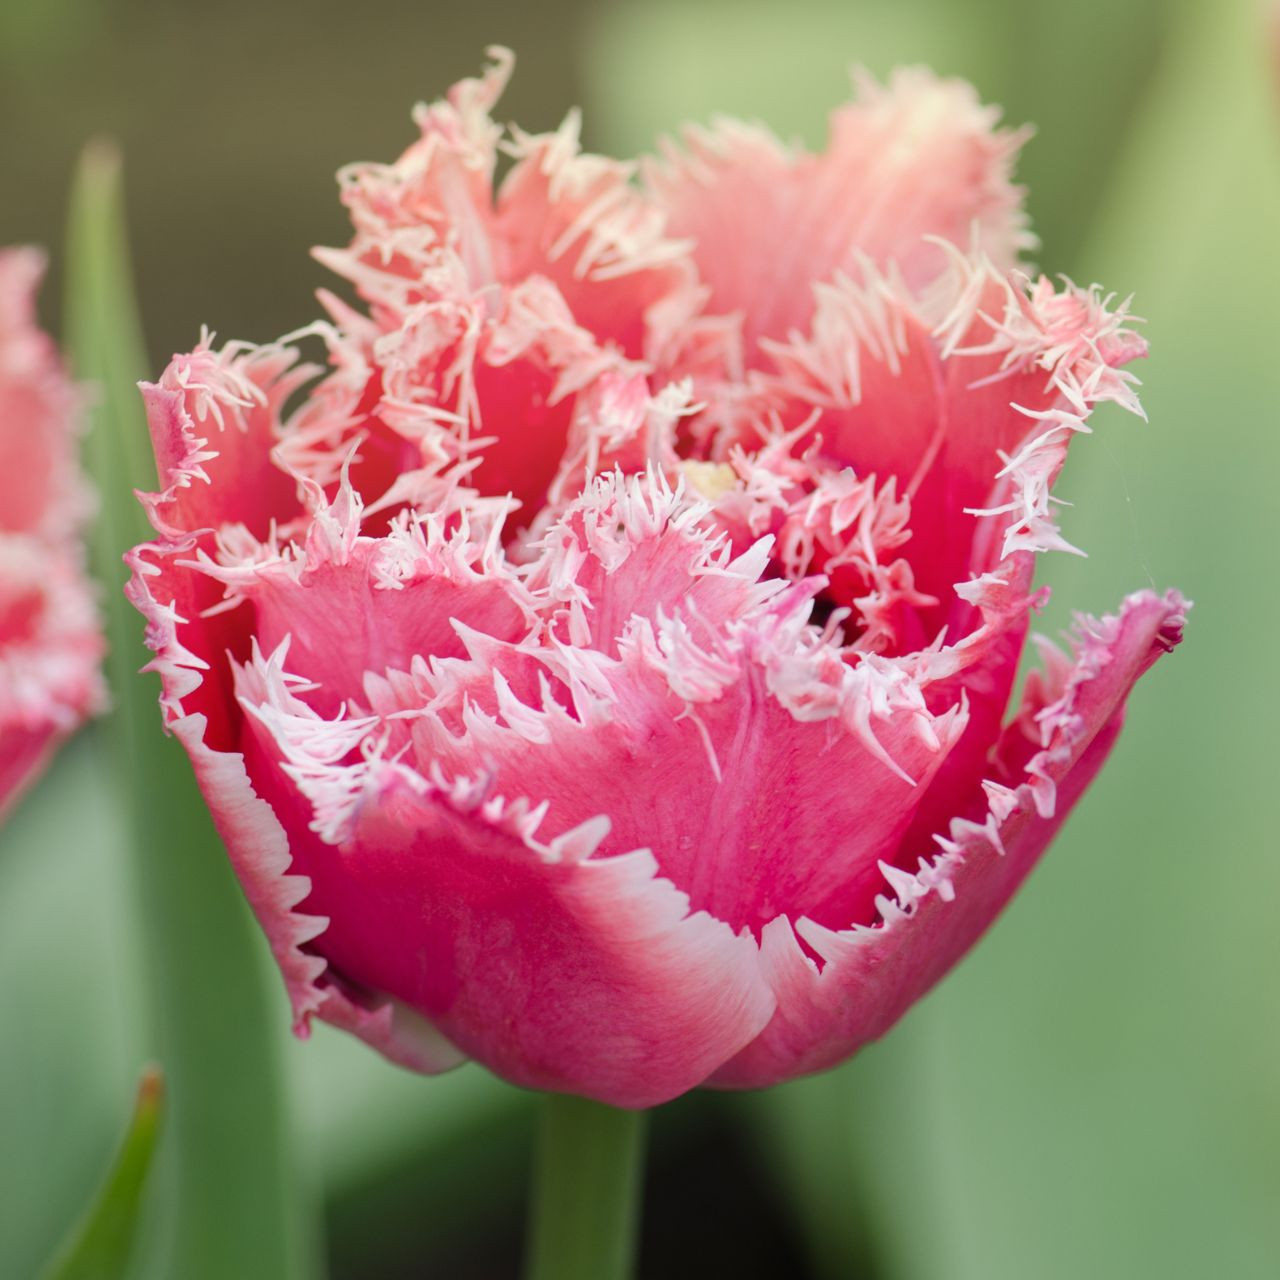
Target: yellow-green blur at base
1093, 1093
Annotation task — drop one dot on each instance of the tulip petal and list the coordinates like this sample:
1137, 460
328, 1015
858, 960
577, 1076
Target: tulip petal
869, 976
557, 966
918, 157
704, 689
190, 651
557, 969
214, 418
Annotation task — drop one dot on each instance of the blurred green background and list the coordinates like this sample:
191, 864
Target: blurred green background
1095, 1091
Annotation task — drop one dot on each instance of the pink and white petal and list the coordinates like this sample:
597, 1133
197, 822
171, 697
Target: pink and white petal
264, 863
576, 220
51, 648
438, 193
929, 163
677, 747
918, 157
483, 385
631, 547
733, 190
569, 218
971, 414
256, 842
556, 969
1026, 363
556, 966
214, 418
24, 754
869, 976
866, 387
349, 605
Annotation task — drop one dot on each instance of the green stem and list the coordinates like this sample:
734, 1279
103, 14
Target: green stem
586, 1191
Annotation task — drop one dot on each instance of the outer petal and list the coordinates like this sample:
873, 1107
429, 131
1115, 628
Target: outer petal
685, 772
557, 968
260, 853
870, 976
347, 604
704, 689
197, 707
214, 419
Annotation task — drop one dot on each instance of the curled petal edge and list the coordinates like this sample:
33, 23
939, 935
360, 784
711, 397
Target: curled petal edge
870, 976
259, 851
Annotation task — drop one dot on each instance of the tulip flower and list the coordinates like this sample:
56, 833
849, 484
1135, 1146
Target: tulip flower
50, 642
601, 666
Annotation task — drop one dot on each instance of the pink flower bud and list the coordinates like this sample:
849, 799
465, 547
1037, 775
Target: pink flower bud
50, 642
601, 670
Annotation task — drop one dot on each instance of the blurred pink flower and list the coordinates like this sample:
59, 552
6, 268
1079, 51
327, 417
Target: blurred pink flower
50, 642
602, 670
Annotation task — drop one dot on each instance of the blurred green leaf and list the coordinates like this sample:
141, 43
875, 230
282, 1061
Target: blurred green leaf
69, 1005
652, 66
100, 1247
230, 1201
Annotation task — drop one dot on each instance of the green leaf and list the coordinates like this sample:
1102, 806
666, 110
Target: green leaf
230, 1201
100, 1247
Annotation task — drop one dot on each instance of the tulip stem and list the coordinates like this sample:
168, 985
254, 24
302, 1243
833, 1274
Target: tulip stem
585, 1210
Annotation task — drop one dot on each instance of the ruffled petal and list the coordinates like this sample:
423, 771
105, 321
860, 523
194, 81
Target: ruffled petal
868, 977
967, 403
558, 969
678, 689
256, 842
560, 217
917, 158
348, 604
214, 419
558, 966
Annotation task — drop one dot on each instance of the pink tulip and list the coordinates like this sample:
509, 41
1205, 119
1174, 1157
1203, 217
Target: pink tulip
50, 643
602, 671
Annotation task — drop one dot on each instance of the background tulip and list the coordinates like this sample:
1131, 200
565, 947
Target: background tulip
50, 642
